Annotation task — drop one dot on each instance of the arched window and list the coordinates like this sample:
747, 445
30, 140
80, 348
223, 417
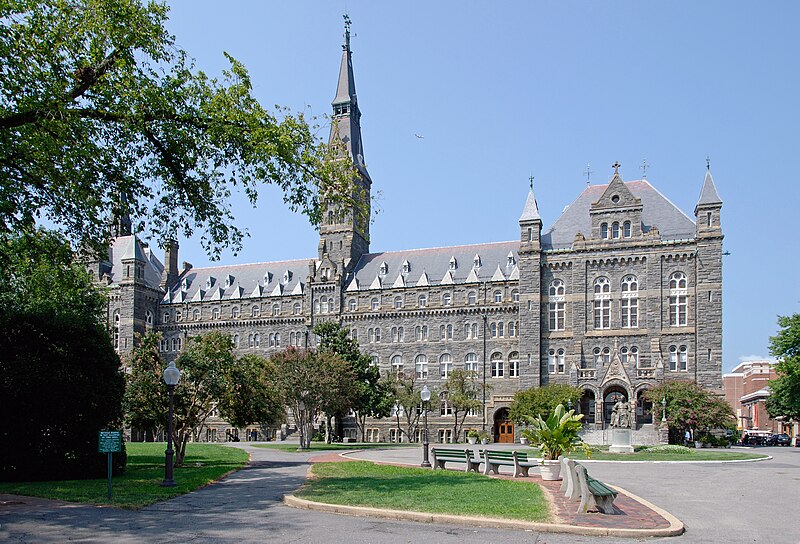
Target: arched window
556, 305
425, 332
629, 355
445, 365
498, 296
377, 334
296, 308
472, 298
629, 305
375, 304
615, 230
498, 367
236, 340
513, 364
449, 332
234, 312
493, 330
291, 339
447, 299
257, 340
626, 229
323, 304
250, 342
175, 344
471, 363
515, 295
148, 318
196, 314
556, 361
418, 333
394, 334
166, 318
276, 309
421, 366
423, 300
401, 335
511, 330
678, 359
602, 303
255, 311
351, 304
397, 364
215, 313
604, 230
374, 360
277, 339
501, 329
678, 300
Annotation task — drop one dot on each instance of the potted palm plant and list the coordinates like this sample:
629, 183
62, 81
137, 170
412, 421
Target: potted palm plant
472, 436
555, 436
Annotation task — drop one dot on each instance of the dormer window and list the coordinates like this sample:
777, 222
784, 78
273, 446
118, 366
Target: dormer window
267, 277
210, 282
406, 267
185, 284
510, 261
453, 263
229, 281
476, 261
384, 269
287, 277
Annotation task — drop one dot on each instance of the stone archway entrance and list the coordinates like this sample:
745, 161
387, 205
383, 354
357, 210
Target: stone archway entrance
644, 409
503, 427
611, 396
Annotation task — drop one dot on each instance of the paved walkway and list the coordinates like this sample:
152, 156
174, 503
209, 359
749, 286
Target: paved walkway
746, 502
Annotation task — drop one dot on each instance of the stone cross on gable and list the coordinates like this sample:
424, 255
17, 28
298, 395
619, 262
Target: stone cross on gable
588, 172
644, 168
616, 166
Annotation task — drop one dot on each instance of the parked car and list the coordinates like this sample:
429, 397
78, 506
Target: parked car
779, 440
796, 441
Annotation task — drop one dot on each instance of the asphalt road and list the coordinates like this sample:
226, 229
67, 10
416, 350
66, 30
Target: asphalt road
735, 502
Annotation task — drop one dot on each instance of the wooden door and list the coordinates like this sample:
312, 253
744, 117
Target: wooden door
505, 431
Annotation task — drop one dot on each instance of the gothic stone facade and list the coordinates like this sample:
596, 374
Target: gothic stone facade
623, 291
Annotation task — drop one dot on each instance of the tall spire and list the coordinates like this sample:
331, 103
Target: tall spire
708, 194
346, 125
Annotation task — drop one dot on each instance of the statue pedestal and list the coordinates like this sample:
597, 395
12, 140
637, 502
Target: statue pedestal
620, 441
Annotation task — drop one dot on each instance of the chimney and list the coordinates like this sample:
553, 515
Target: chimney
170, 275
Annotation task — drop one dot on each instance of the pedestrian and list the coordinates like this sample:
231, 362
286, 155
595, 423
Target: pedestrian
687, 438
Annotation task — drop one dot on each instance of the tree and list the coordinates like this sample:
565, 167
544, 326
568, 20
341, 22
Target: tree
60, 378
406, 402
541, 401
146, 399
690, 407
462, 390
311, 383
784, 399
206, 366
253, 396
371, 396
112, 117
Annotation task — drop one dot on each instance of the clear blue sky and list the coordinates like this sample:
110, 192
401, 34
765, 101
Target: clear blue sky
538, 88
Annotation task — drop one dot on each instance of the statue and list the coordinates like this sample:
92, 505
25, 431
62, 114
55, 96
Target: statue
625, 415
616, 413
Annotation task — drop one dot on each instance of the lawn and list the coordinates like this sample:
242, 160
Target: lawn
361, 483
322, 446
139, 486
641, 454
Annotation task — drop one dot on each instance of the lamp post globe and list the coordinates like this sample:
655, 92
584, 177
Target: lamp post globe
171, 377
664, 409
425, 395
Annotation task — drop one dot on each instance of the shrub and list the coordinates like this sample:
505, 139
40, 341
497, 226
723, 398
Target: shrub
668, 448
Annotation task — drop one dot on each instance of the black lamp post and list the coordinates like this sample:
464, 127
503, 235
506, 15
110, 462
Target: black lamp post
425, 395
171, 377
485, 317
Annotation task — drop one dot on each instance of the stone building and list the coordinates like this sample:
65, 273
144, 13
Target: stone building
623, 291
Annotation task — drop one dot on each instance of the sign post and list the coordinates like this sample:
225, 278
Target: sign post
109, 442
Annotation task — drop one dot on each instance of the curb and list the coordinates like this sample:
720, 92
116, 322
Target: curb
675, 528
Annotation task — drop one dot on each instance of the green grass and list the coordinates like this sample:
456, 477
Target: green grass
641, 454
360, 483
140, 485
321, 446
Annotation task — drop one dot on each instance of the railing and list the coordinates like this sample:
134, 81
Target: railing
587, 373
645, 372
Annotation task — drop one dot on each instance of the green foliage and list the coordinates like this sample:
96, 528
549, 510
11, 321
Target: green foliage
60, 383
541, 401
406, 398
371, 395
472, 433
785, 397
112, 116
668, 449
311, 384
557, 435
462, 390
145, 403
253, 395
60, 379
689, 406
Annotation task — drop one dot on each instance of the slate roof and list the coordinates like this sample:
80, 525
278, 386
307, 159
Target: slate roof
431, 266
240, 281
709, 194
130, 247
531, 211
657, 210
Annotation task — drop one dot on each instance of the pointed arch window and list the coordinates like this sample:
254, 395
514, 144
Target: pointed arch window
556, 305
629, 306
678, 300
602, 303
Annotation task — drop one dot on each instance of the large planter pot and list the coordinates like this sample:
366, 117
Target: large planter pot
550, 470
472, 439
523, 441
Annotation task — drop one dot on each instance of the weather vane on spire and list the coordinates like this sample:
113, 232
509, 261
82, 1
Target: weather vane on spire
644, 168
588, 172
708, 162
346, 31
531, 180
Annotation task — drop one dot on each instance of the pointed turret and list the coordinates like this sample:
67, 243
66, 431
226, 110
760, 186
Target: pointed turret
708, 194
709, 207
530, 222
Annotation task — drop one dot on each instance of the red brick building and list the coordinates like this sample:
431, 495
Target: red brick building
746, 390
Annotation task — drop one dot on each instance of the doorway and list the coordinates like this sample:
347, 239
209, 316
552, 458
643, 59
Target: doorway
612, 396
504, 427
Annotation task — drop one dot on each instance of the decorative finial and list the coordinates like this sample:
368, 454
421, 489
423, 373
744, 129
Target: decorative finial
346, 32
588, 172
531, 180
708, 162
644, 168
616, 166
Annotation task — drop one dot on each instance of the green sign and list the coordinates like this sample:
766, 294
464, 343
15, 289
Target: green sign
110, 441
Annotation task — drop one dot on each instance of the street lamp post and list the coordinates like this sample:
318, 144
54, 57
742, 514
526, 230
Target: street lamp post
425, 395
664, 410
171, 377
485, 317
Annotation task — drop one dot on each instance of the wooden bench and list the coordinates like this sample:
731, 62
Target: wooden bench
493, 459
594, 493
440, 456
